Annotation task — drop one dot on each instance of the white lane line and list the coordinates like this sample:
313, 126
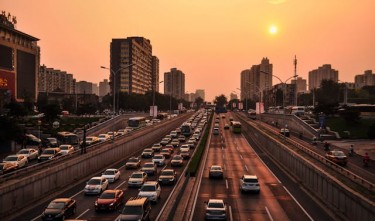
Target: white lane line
295, 200
36, 218
82, 214
76, 194
246, 168
226, 183
269, 214
120, 185
241, 157
230, 213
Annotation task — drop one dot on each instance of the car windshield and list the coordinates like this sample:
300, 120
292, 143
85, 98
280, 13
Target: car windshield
148, 188
94, 182
11, 158
132, 210
23, 152
167, 173
109, 172
215, 205
136, 175
56, 205
49, 152
133, 160
106, 195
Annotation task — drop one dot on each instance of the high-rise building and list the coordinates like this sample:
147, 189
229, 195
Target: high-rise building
83, 87
104, 88
200, 93
53, 80
365, 79
131, 61
174, 83
324, 72
256, 79
301, 84
155, 73
19, 61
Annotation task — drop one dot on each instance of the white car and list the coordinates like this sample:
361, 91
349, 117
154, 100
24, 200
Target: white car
96, 185
137, 179
29, 153
159, 160
249, 183
111, 175
66, 149
103, 137
19, 160
216, 209
151, 190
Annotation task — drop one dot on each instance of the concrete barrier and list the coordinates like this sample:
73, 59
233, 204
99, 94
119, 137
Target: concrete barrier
18, 194
342, 201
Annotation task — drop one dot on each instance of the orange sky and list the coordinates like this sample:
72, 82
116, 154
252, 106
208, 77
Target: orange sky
211, 41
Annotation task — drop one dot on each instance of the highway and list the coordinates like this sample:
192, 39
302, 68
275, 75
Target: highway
237, 156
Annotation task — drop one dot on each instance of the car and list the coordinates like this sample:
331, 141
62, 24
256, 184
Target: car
19, 160
111, 175
177, 160
156, 147
159, 159
215, 209
216, 171
216, 131
147, 153
90, 140
109, 200
29, 153
7, 167
49, 154
175, 143
59, 209
165, 141
136, 209
226, 126
167, 176
181, 138
133, 163
337, 156
96, 185
166, 153
137, 179
149, 168
249, 183
66, 149
174, 134
285, 132
103, 137
151, 190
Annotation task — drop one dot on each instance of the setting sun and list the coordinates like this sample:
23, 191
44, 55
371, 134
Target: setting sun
273, 30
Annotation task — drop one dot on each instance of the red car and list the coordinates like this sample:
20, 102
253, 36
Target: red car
109, 200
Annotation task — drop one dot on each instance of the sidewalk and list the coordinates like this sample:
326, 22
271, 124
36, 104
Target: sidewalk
360, 146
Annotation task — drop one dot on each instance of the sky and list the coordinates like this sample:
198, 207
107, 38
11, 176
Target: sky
211, 41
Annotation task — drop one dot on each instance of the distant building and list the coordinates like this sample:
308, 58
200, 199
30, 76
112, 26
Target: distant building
233, 96
53, 80
174, 83
256, 79
301, 85
138, 77
155, 73
324, 72
95, 89
19, 62
366, 79
84, 87
200, 93
104, 88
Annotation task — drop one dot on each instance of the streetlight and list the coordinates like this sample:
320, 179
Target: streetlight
114, 73
153, 99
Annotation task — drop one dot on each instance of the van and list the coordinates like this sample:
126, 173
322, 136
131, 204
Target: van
136, 208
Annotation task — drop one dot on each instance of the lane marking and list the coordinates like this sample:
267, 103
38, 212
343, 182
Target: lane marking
269, 214
36, 218
120, 185
76, 194
246, 168
295, 200
226, 183
82, 214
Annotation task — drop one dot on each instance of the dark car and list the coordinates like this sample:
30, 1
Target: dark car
49, 154
7, 167
337, 156
59, 209
133, 163
109, 200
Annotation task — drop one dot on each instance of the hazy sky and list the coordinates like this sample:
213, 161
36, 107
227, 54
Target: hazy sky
211, 41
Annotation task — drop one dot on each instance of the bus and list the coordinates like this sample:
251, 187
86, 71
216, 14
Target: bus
137, 122
186, 129
67, 138
236, 127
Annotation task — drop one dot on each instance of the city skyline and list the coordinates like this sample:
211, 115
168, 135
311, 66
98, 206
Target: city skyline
187, 35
